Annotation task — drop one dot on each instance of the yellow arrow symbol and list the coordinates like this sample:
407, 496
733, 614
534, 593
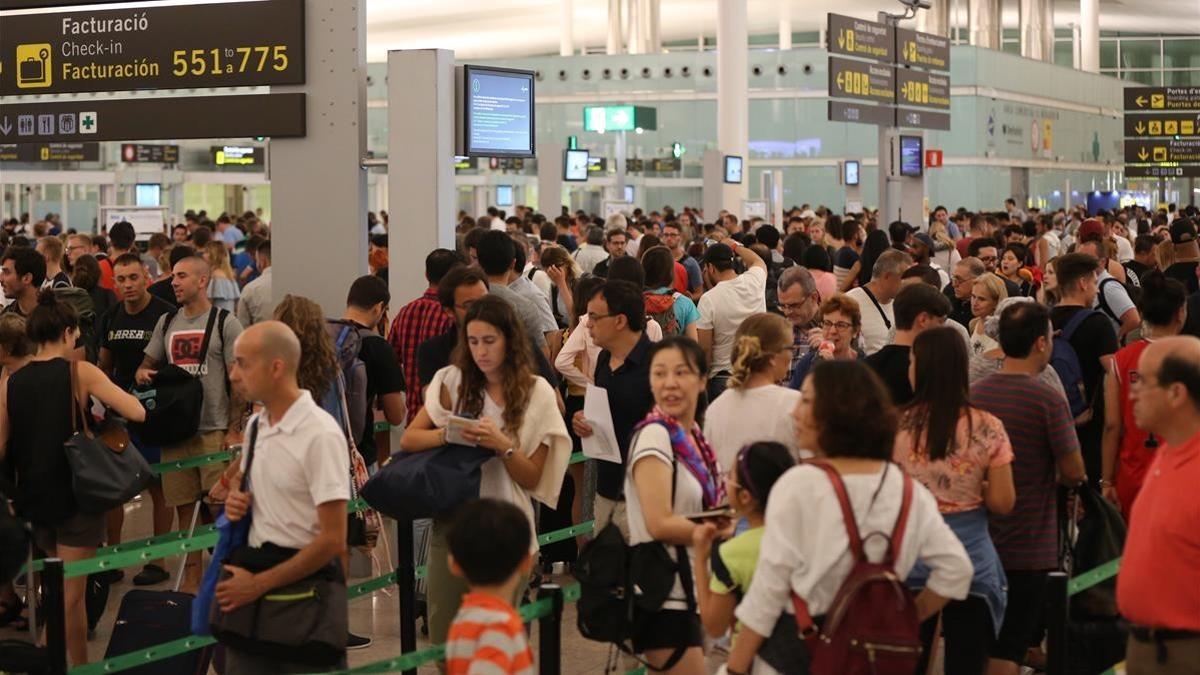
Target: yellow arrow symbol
1142, 154
841, 38
1139, 128
1141, 101
840, 81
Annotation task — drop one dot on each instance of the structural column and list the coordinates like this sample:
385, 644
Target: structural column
936, 19
1089, 35
732, 96
983, 22
613, 44
1037, 29
785, 24
566, 28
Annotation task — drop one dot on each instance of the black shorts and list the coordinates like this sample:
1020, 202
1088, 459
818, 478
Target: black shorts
1022, 616
669, 629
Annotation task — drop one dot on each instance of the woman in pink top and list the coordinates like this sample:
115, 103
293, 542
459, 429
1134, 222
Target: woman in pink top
963, 455
816, 259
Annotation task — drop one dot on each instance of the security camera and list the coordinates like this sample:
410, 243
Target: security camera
917, 4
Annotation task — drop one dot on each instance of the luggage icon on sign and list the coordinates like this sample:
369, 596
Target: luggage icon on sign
33, 66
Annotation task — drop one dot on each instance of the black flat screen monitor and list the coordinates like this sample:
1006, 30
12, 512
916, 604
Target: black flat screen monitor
733, 169
497, 112
912, 157
575, 166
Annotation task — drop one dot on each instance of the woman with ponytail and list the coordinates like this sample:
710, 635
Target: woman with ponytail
749, 410
36, 413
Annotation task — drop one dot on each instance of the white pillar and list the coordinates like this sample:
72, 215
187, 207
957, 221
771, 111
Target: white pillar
984, 23
633, 42
549, 179
732, 95
613, 43
1036, 29
936, 19
654, 19
785, 24
566, 28
1089, 35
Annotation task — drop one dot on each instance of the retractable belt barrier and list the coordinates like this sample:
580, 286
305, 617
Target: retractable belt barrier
1058, 604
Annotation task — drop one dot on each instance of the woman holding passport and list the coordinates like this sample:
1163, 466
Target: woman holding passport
673, 483
490, 397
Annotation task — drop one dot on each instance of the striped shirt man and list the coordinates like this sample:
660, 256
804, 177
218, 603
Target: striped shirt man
487, 638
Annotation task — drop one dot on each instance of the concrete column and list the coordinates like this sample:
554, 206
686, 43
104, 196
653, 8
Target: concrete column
614, 42
732, 95
785, 24
421, 100
318, 185
983, 19
549, 179
566, 28
1089, 35
936, 19
654, 22
1036, 24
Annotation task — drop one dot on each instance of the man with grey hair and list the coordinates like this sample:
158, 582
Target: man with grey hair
875, 298
800, 303
592, 250
958, 291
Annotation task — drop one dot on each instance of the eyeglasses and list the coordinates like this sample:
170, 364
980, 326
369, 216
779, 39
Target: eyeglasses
960, 280
987, 258
466, 306
792, 306
596, 317
840, 325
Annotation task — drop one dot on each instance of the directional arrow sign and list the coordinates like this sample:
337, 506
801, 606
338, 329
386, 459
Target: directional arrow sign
1163, 124
1150, 99
1169, 150
861, 80
915, 87
1162, 171
5, 126
865, 39
923, 50
861, 113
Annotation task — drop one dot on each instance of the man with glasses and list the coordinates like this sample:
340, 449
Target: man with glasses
958, 292
77, 245
800, 301
1158, 590
988, 253
672, 238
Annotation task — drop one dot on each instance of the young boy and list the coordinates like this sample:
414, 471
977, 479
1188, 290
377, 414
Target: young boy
489, 547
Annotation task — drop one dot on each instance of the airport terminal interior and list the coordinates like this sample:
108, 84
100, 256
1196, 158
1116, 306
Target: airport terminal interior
356, 161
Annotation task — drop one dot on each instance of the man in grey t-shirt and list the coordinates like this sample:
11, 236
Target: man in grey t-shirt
179, 343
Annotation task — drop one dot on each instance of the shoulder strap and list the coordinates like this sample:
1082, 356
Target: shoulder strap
78, 415
250, 452
897, 537
886, 321
532, 271
1076, 321
839, 489
208, 329
1103, 301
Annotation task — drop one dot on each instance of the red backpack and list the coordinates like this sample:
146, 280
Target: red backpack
661, 308
871, 627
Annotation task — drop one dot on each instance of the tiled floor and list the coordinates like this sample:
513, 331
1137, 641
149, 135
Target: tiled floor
376, 615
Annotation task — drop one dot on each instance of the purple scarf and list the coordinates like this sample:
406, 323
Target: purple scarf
699, 458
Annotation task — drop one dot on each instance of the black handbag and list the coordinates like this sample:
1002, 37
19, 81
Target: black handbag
429, 484
174, 400
105, 475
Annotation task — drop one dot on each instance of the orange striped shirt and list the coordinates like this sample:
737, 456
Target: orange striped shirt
487, 638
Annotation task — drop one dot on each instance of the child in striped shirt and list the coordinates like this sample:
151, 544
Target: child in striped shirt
489, 547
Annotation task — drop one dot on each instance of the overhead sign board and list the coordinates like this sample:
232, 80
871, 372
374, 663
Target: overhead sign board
237, 155
619, 118
50, 152
861, 80
1149, 99
277, 115
922, 50
861, 113
1163, 124
922, 119
1170, 150
232, 44
667, 164
864, 39
137, 153
1162, 171
915, 87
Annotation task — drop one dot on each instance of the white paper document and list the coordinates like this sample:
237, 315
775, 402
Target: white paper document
602, 444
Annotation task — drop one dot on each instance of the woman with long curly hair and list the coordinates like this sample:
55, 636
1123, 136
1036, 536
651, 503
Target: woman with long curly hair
491, 379
318, 363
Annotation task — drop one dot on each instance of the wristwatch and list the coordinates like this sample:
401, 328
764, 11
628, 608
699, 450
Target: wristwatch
1107, 483
507, 454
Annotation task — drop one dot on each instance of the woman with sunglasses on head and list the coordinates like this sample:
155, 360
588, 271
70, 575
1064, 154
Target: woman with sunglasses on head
748, 484
841, 326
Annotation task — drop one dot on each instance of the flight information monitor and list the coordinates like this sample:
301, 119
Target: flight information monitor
575, 165
733, 169
497, 112
912, 157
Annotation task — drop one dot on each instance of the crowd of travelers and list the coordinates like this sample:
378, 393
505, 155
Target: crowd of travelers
842, 445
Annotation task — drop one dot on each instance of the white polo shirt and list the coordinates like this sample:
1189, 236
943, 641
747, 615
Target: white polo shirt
299, 464
725, 306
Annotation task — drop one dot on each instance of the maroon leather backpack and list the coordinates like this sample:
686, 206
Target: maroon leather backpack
871, 627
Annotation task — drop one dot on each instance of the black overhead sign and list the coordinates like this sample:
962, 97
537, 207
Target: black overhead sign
1150, 99
840, 111
50, 152
1162, 124
861, 80
152, 154
922, 119
277, 115
915, 87
231, 44
865, 39
1168, 150
1162, 171
923, 50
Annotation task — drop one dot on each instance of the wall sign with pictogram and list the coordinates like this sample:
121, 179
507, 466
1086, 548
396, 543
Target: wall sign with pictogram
1162, 129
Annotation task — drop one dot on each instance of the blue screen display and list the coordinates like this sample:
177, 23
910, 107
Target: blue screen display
499, 113
911, 157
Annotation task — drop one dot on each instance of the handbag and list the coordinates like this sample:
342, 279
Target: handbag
362, 528
429, 484
175, 399
107, 471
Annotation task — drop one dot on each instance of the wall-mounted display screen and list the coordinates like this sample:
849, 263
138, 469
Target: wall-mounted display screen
147, 194
912, 156
575, 165
850, 172
733, 169
504, 195
497, 112
628, 194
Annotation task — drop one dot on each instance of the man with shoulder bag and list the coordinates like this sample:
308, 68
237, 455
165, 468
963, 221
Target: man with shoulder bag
281, 602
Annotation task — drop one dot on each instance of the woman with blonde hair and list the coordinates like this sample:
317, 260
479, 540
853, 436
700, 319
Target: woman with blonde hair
222, 287
986, 295
748, 411
946, 253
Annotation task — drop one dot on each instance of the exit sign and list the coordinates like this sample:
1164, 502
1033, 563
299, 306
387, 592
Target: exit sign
619, 118
933, 159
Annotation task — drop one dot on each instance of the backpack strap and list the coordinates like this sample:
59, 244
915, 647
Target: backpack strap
897, 536
1103, 302
1073, 324
883, 315
250, 454
839, 489
213, 312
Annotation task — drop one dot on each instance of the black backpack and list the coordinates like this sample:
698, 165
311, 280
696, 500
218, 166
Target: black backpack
175, 399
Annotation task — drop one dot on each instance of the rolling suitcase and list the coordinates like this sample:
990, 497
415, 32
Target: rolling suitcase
148, 618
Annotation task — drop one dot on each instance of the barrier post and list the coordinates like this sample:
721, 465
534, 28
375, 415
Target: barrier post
550, 631
1057, 618
56, 616
406, 579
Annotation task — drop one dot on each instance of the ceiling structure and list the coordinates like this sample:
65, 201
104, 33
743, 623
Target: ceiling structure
506, 28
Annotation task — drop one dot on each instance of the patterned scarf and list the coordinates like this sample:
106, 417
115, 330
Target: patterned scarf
699, 458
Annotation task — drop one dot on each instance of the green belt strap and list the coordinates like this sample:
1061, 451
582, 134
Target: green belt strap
1097, 575
191, 462
565, 533
140, 556
140, 658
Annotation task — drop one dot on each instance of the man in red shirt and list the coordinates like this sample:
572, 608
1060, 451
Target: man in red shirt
418, 321
1158, 590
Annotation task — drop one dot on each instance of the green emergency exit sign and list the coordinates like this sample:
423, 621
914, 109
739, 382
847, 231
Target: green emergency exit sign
619, 118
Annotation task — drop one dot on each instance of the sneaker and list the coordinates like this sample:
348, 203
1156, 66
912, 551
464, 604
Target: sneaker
151, 574
357, 641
